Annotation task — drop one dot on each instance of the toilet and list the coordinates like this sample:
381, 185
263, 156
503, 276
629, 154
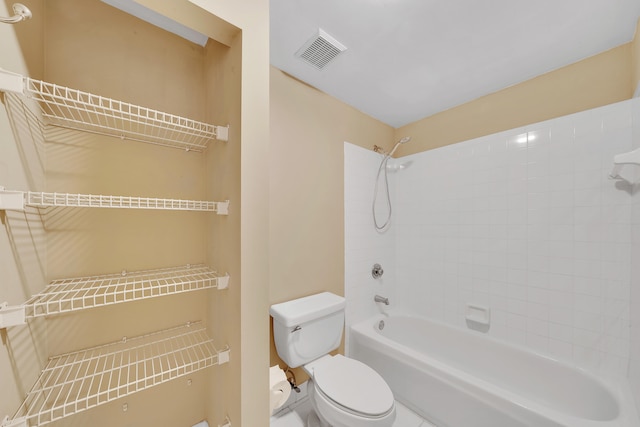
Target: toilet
344, 392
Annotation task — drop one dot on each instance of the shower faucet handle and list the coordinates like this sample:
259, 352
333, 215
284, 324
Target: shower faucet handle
377, 271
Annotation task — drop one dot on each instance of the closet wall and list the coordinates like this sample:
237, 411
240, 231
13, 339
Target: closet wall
223, 233
23, 350
90, 46
121, 57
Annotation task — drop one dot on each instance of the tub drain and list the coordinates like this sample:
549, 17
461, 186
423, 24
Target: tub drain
381, 325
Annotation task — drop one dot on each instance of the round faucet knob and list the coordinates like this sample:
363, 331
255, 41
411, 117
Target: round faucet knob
377, 271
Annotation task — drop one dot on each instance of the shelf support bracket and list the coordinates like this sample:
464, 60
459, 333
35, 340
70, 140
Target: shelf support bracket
12, 316
11, 200
18, 422
223, 282
222, 133
222, 208
11, 82
223, 356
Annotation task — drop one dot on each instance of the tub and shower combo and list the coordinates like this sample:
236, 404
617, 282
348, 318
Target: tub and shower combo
455, 377
458, 378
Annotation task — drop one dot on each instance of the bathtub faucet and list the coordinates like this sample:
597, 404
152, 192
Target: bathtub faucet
384, 300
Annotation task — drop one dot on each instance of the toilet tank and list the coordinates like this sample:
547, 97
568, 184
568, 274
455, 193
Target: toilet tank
307, 328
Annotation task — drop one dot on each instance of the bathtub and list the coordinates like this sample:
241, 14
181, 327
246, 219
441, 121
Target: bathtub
458, 378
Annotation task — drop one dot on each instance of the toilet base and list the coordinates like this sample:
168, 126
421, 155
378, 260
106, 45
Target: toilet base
314, 421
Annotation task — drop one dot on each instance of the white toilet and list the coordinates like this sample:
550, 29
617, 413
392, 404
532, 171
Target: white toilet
344, 392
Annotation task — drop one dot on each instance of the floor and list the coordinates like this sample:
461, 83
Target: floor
294, 413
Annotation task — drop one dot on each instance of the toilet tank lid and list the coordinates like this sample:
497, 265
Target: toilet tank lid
302, 310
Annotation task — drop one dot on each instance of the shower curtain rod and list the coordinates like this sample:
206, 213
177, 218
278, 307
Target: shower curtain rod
21, 13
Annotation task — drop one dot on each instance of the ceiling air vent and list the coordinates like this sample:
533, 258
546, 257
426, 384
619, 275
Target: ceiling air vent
320, 49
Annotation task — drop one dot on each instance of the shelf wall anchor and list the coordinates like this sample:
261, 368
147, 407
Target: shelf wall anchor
223, 356
11, 82
18, 422
222, 133
222, 208
11, 316
11, 200
223, 282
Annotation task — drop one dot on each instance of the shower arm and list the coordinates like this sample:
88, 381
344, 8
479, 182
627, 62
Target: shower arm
381, 150
21, 13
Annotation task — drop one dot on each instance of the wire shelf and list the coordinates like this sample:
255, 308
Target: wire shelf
75, 382
17, 200
66, 295
43, 200
75, 109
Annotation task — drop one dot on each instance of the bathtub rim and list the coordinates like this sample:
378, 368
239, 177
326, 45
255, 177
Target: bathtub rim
618, 388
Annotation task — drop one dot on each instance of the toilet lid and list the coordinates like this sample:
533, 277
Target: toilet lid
353, 385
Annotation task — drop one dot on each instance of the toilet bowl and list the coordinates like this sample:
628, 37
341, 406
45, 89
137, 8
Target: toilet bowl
344, 392
347, 393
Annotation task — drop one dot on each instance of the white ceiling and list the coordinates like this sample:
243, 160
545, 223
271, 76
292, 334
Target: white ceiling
409, 59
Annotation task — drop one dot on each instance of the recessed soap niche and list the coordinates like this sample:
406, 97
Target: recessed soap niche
478, 317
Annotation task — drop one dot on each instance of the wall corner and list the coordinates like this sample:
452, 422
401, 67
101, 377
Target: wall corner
635, 62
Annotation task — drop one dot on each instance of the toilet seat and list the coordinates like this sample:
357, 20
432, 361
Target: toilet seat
353, 386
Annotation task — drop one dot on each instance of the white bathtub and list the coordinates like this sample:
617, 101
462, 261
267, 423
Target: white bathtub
458, 378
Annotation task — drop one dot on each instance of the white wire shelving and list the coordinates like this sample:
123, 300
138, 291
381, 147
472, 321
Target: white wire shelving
18, 200
80, 293
74, 109
78, 381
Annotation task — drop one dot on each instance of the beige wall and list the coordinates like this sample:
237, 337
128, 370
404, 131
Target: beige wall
236, 94
308, 131
635, 60
223, 183
306, 196
24, 41
22, 350
252, 18
599, 80
121, 57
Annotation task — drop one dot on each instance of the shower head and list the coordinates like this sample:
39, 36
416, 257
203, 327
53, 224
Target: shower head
402, 140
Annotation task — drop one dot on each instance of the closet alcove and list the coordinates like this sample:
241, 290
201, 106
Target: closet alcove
127, 245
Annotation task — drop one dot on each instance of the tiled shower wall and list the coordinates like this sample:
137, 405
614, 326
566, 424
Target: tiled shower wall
525, 222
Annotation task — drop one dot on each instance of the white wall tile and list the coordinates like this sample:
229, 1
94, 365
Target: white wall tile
525, 221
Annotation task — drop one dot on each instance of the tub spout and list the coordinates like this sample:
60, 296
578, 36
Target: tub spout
384, 300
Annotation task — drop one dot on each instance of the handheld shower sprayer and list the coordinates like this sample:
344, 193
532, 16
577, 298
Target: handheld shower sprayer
383, 165
401, 141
